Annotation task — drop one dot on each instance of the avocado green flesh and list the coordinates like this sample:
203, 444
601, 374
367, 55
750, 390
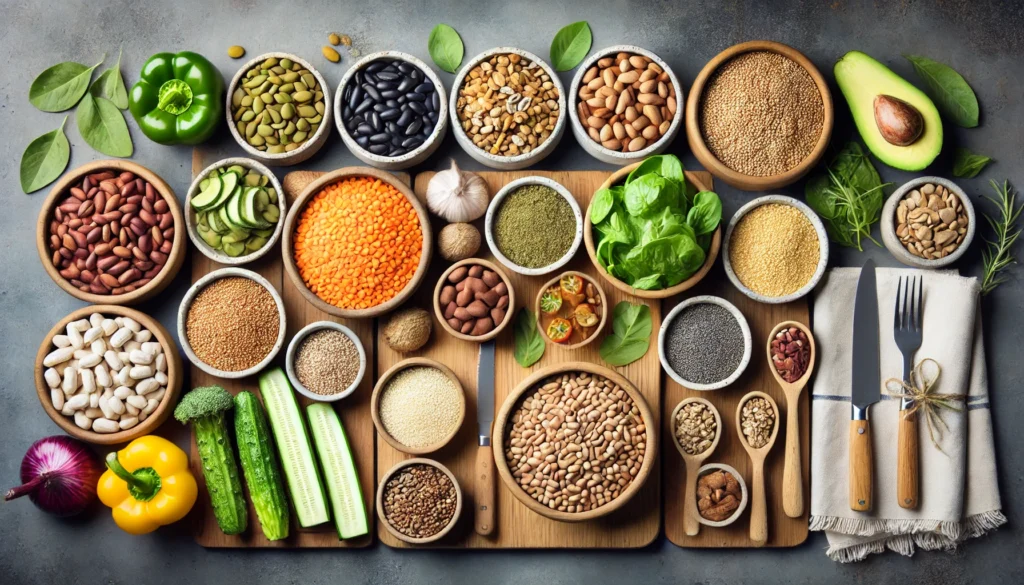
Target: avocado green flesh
861, 78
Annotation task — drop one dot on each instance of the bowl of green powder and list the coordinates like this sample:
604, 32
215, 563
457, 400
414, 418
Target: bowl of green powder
533, 226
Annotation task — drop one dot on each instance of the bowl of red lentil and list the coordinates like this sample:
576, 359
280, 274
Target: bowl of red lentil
325, 361
357, 242
231, 323
759, 115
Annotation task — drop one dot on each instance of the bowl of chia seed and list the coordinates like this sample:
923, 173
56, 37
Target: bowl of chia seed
704, 343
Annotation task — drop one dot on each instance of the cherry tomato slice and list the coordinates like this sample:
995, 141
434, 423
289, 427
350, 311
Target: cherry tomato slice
559, 330
551, 300
585, 315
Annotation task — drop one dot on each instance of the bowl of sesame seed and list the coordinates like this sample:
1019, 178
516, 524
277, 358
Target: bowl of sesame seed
325, 361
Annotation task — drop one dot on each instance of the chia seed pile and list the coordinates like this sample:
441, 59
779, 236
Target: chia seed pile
704, 343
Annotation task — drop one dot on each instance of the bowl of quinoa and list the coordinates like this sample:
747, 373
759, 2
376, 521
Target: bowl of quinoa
325, 361
418, 406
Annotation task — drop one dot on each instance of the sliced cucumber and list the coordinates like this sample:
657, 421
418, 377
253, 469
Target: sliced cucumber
297, 459
222, 218
229, 181
250, 207
234, 207
213, 220
340, 472
208, 195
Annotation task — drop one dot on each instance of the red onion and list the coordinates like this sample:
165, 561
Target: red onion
59, 474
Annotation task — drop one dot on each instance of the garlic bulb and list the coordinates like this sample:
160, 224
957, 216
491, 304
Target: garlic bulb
457, 196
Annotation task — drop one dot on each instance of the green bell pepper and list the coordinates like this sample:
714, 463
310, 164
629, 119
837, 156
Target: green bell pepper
179, 98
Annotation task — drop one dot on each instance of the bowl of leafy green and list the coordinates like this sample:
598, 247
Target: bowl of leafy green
652, 231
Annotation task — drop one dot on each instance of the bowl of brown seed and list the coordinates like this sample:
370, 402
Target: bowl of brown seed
325, 361
928, 222
419, 501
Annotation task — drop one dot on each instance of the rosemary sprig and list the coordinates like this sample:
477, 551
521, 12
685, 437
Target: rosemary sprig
997, 255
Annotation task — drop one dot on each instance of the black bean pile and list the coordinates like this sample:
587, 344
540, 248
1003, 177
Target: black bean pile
704, 343
391, 107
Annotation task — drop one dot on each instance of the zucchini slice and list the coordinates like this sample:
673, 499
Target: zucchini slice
208, 195
339, 471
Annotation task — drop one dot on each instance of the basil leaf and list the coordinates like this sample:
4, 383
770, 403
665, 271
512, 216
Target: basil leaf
950, 90
601, 206
706, 213
60, 87
570, 46
103, 127
110, 85
967, 165
529, 344
446, 49
45, 159
631, 334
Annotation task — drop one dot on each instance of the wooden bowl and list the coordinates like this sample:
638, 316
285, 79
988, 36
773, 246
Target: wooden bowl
380, 501
439, 313
383, 382
291, 222
588, 239
554, 282
696, 138
155, 419
526, 386
174, 260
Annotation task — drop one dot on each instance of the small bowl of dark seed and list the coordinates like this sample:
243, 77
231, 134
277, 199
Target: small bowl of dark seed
325, 361
704, 343
419, 501
391, 110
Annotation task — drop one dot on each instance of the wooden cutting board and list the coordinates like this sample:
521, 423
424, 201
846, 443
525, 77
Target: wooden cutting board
354, 410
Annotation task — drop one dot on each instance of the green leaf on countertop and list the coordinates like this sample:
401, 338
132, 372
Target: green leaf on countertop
45, 159
446, 48
529, 344
848, 196
60, 87
952, 94
103, 127
631, 334
571, 45
967, 165
110, 84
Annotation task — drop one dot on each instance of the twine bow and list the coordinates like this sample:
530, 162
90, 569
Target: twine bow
921, 390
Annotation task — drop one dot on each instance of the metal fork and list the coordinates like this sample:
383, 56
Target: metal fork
907, 332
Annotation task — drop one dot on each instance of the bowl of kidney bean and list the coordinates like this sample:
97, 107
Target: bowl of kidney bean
108, 233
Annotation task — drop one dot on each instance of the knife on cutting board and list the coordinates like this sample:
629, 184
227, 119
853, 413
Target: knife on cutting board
483, 520
866, 389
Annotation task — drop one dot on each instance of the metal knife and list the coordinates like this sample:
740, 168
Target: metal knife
485, 480
866, 389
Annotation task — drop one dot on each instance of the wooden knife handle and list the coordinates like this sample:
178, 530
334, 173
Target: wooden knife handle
860, 466
907, 478
485, 488
792, 474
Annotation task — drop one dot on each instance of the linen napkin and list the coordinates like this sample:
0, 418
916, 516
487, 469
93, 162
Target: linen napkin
959, 494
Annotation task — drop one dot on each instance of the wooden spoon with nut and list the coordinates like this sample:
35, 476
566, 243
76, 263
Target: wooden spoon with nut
792, 474
693, 460
758, 499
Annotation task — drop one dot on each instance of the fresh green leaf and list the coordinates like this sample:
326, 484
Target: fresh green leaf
997, 256
45, 159
60, 87
529, 343
570, 46
649, 194
666, 165
631, 334
103, 127
950, 90
601, 205
446, 48
706, 213
848, 196
967, 165
110, 84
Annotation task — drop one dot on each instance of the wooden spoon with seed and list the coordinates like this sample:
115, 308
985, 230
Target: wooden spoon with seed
693, 462
758, 499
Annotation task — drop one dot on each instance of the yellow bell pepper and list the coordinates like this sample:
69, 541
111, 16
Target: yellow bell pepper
147, 485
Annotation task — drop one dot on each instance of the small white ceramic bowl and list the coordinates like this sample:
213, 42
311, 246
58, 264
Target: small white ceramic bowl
616, 157
744, 497
888, 224
190, 213
293, 348
309, 147
495, 205
819, 228
186, 304
667, 322
506, 163
413, 157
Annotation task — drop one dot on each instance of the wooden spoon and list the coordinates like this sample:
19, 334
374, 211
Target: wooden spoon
758, 500
693, 462
792, 475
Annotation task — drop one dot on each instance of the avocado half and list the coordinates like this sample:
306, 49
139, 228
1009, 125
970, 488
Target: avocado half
861, 79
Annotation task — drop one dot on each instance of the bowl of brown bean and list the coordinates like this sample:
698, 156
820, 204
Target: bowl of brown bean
110, 232
617, 462
473, 300
928, 222
325, 361
626, 105
419, 501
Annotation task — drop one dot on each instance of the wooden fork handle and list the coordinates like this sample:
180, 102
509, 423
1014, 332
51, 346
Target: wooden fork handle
861, 471
907, 469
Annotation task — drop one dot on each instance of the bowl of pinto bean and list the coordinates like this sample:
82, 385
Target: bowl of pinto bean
108, 233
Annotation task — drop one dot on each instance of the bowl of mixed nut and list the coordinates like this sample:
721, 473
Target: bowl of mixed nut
929, 222
508, 108
721, 495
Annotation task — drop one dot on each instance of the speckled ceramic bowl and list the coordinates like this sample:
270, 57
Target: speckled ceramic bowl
667, 323
888, 224
293, 348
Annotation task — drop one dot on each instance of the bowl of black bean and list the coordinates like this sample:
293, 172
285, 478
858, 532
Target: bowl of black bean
391, 110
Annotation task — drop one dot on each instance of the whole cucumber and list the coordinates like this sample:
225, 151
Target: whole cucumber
259, 464
221, 473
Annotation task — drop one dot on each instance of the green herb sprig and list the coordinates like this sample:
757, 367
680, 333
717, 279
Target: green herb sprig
998, 254
848, 196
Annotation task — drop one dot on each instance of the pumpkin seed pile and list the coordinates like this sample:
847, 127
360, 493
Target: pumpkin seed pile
278, 105
236, 210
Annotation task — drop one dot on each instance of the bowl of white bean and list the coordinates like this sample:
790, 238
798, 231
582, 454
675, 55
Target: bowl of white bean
108, 374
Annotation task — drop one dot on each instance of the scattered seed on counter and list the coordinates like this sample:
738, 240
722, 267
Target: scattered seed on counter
774, 250
696, 428
330, 54
420, 406
704, 343
278, 105
757, 419
419, 500
236, 52
232, 324
327, 362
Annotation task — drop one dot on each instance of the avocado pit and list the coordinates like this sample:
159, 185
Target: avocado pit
900, 123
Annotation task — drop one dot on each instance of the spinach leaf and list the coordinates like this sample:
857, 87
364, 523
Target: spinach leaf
45, 159
666, 165
529, 344
631, 334
648, 194
706, 213
601, 205
570, 46
967, 165
446, 48
60, 87
103, 127
110, 85
951, 92
848, 196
